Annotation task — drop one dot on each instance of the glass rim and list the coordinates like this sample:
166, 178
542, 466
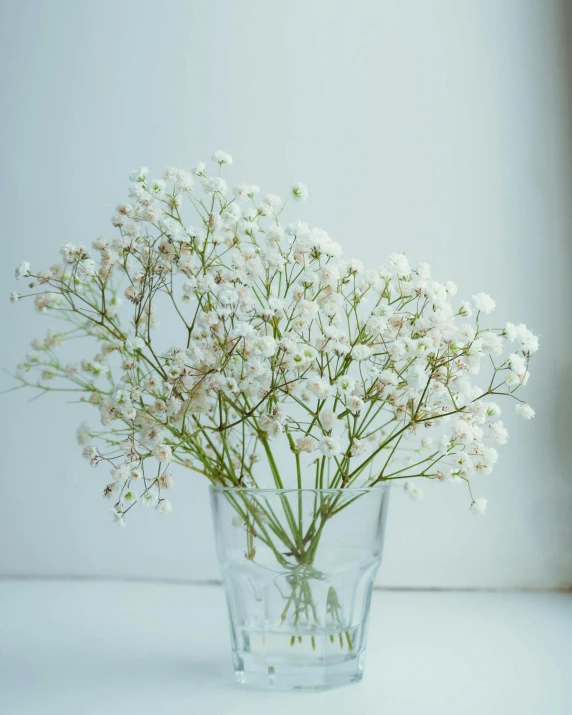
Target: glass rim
284, 490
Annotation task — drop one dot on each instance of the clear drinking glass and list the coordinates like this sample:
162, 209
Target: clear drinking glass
298, 567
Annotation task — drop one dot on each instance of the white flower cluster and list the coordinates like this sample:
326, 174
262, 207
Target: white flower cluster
372, 372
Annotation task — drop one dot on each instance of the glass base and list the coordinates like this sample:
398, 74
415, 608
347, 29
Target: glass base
277, 661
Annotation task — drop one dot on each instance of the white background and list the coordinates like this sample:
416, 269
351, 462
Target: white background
438, 127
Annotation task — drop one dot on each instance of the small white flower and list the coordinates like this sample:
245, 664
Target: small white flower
265, 346
327, 419
528, 341
228, 296
525, 411
84, 434
221, 157
229, 385
166, 481
479, 506
215, 185
136, 343
465, 309
240, 191
416, 376
86, 269
164, 506
511, 332
517, 364
89, 453
118, 517
120, 474
400, 263
23, 270
129, 496
319, 387
232, 213
157, 186
491, 343
271, 425
498, 432
300, 191
307, 443
111, 491
139, 174
355, 403
492, 409
14, 297
149, 497
345, 385
415, 492
484, 303
358, 447
163, 452
329, 446
424, 271
361, 352
355, 267
121, 397
133, 294
45, 277
272, 200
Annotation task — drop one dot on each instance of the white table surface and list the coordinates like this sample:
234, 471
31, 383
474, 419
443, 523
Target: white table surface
106, 648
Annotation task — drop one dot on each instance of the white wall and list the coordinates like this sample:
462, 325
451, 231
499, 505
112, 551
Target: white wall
439, 127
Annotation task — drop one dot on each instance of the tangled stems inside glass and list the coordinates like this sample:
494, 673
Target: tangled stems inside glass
294, 546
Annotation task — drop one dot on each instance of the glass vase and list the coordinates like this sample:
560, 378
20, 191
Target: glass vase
298, 567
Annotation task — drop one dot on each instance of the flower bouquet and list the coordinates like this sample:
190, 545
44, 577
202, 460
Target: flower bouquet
301, 385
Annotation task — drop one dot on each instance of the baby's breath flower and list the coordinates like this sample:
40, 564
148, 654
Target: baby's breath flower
484, 303
86, 269
84, 435
163, 452
525, 411
415, 492
89, 453
479, 506
272, 200
118, 516
498, 432
345, 384
164, 506
215, 185
360, 352
329, 447
221, 157
139, 174
300, 191
23, 270
307, 444
281, 343
358, 447
465, 309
